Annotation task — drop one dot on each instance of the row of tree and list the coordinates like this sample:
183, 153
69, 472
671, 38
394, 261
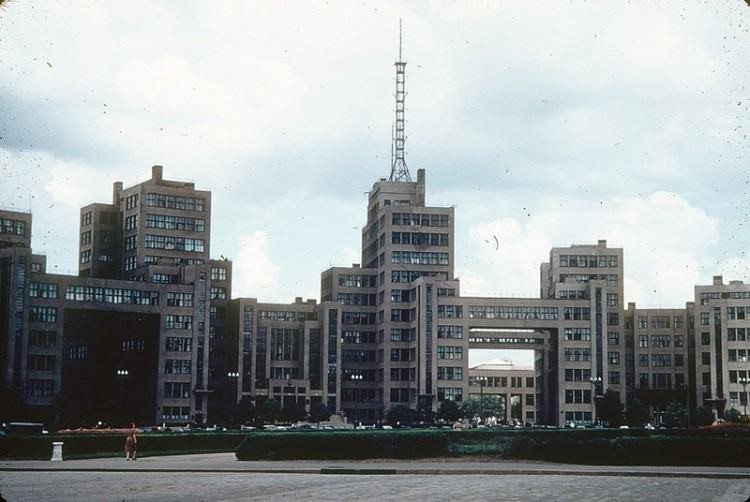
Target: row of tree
271, 411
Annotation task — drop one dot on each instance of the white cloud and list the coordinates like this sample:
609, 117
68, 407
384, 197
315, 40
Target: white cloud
255, 274
667, 243
77, 185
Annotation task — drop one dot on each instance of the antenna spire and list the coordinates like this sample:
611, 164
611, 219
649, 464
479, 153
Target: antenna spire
399, 171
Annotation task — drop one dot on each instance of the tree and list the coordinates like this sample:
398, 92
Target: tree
609, 409
399, 415
319, 412
293, 412
489, 405
676, 415
637, 413
704, 416
732, 415
449, 411
246, 412
270, 411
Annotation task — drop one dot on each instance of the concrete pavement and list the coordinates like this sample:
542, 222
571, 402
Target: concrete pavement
227, 463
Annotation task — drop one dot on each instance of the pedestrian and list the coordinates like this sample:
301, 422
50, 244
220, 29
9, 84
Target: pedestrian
131, 442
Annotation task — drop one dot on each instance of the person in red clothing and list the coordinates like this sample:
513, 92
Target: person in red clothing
131, 441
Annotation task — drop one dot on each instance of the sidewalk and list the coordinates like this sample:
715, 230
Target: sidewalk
227, 463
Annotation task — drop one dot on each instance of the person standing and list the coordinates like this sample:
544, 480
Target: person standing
131, 442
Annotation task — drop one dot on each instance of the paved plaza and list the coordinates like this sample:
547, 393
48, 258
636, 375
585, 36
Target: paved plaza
218, 477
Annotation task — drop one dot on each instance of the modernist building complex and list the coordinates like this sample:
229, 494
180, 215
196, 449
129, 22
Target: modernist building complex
148, 331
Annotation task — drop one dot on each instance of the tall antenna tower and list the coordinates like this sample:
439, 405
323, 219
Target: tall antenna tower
399, 171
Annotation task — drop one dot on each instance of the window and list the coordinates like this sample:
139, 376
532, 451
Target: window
613, 319
661, 360
642, 322
512, 312
613, 357
577, 334
643, 360
704, 318
450, 394
450, 373
179, 344
582, 355
43, 290
679, 341
660, 322
356, 299
218, 274
44, 314
175, 202
39, 388
218, 293
46, 339
450, 352
131, 202
169, 222
86, 237
612, 300
171, 242
178, 366
35, 362
613, 338
661, 341
130, 263
706, 358
178, 322
679, 360
179, 299
86, 219
418, 219
577, 313
85, 256
285, 344
131, 222
177, 390
643, 341
578, 375
577, 396
454, 332
356, 281
403, 334
705, 338
530, 382
419, 258
614, 378
131, 242
678, 322
450, 311
279, 315
111, 295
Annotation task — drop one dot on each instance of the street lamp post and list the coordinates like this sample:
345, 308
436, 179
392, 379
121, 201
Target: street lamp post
356, 377
595, 382
482, 383
744, 381
233, 376
122, 375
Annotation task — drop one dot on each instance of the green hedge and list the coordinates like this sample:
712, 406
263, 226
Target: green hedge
603, 447
110, 445
343, 445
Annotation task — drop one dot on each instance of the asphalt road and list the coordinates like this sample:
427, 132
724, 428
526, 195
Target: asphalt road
219, 477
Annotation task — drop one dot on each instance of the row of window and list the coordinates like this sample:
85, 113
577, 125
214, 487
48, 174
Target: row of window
14, 227
355, 299
661, 341
419, 238
169, 222
661, 322
584, 278
356, 281
175, 202
350, 336
448, 331
588, 261
515, 312
279, 315
175, 243
184, 322
42, 290
419, 258
407, 276
111, 295
450, 352
425, 220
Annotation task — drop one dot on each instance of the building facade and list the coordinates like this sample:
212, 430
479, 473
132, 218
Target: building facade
148, 330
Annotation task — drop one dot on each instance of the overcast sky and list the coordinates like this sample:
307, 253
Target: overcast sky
545, 124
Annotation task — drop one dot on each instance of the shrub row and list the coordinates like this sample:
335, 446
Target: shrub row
604, 447
108, 445
343, 445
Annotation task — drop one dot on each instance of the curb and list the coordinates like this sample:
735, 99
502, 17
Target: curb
418, 472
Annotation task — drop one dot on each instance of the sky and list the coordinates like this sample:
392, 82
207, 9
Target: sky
544, 124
